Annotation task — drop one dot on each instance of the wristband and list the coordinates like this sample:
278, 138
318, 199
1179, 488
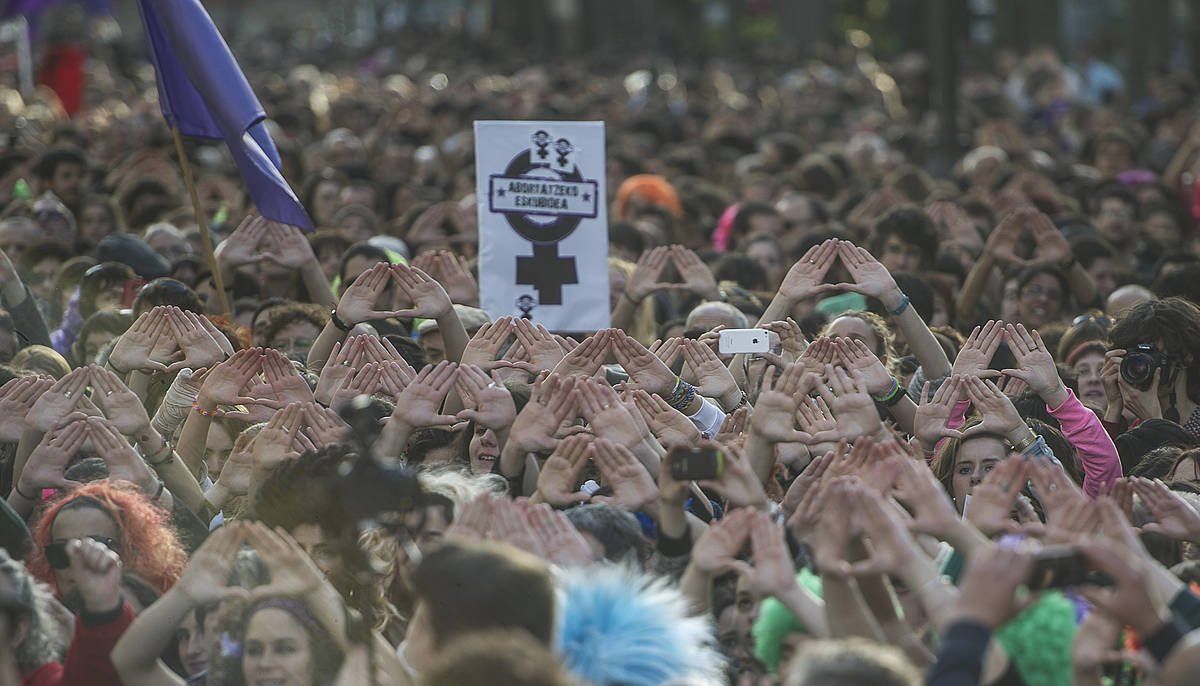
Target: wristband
1024, 444
17, 489
904, 302
170, 452
892, 396
203, 412
161, 487
337, 321
683, 395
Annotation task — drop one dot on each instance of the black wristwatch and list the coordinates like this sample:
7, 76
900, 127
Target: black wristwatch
337, 321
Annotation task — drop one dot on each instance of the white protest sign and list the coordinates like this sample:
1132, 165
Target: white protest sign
543, 224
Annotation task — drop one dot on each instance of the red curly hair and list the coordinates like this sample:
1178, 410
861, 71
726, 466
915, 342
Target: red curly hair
150, 548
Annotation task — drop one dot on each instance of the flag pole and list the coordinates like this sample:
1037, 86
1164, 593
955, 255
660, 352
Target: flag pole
209, 255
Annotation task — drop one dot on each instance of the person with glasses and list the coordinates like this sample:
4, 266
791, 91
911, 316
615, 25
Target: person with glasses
1042, 293
116, 515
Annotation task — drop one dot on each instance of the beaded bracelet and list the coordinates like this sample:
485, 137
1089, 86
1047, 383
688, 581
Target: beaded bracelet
689, 394
203, 412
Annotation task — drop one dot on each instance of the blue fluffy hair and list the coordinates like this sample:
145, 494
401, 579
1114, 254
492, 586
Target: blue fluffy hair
622, 627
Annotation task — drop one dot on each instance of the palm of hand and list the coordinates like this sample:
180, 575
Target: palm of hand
929, 420
773, 417
673, 429
875, 375
205, 576
125, 411
12, 420
1043, 374
200, 350
291, 389
801, 280
545, 355
49, 408
713, 551
714, 379
970, 362
874, 279
131, 351
271, 447
989, 512
235, 474
556, 481
535, 427
496, 409
632, 487
418, 405
855, 415
616, 424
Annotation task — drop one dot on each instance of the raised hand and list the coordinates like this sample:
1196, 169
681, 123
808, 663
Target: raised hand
454, 276
643, 367
420, 404
853, 409
358, 301
976, 354
123, 461
242, 246
871, 278
1002, 242
47, 464
133, 348
97, 573
712, 378
206, 578
59, 400
485, 346
587, 357
855, 355
558, 481
394, 377
291, 248
293, 573
633, 487
200, 349
647, 274
999, 415
891, 545
772, 573
561, 542
1173, 516
552, 402
933, 512
16, 399
427, 297
668, 425
1052, 245
287, 386
1110, 376
544, 352
1036, 365
697, 277
716, 549
365, 381
608, 416
120, 405
275, 442
929, 423
224, 383
774, 418
344, 361
993, 498
990, 583
737, 481
490, 404
806, 278
791, 338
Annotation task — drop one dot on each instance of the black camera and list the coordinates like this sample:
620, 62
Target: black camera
1140, 363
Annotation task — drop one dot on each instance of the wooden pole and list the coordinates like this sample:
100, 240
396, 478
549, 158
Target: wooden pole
202, 221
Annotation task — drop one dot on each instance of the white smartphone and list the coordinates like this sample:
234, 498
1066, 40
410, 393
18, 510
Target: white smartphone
736, 341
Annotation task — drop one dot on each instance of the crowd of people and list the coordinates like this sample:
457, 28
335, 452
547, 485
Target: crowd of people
972, 454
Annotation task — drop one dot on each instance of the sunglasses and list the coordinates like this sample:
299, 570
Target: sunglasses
1102, 321
56, 553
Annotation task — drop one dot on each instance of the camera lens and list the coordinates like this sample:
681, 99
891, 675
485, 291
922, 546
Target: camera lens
1138, 370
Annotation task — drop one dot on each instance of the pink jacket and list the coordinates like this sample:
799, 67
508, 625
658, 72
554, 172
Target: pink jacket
1097, 452
1082, 428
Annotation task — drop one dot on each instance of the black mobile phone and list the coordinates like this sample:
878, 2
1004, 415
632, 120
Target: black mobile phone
1063, 567
693, 464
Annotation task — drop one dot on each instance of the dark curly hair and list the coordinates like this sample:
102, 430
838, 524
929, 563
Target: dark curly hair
1173, 324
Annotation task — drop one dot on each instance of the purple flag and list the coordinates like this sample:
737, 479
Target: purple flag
203, 91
